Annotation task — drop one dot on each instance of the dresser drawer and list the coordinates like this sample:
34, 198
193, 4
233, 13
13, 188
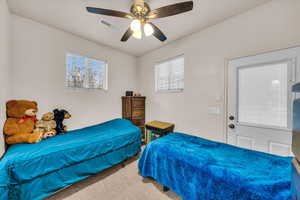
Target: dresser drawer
138, 114
138, 122
138, 103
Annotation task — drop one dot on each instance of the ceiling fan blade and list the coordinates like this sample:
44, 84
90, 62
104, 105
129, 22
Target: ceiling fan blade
113, 13
158, 33
171, 10
127, 35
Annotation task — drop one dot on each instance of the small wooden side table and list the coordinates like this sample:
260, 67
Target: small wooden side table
157, 129
296, 180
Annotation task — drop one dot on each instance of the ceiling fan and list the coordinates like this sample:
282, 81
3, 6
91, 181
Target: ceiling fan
141, 13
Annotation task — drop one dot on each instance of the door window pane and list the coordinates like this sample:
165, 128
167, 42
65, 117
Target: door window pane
262, 95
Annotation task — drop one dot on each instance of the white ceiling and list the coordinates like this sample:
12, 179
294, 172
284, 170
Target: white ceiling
71, 16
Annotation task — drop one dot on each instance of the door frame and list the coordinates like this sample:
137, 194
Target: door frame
226, 84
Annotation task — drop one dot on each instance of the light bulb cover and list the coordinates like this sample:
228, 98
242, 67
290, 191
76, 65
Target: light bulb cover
148, 29
137, 35
136, 25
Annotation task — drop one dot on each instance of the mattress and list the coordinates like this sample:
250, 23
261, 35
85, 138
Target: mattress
65, 159
198, 169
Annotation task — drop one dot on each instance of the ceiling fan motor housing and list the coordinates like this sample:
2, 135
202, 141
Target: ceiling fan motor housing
140, 9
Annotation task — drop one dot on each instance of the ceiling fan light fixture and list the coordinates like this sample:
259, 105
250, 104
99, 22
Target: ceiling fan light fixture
136, 25
148, 29
137, 34
140, 13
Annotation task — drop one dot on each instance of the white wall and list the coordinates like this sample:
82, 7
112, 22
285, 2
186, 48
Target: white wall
39, 73
272, 26
39, 68
5, 31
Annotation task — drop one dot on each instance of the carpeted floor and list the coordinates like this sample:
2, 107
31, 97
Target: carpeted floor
116, 183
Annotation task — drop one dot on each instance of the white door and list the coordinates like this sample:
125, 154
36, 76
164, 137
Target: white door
260, 101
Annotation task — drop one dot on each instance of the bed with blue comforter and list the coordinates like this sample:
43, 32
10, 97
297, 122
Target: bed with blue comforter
35, 171
200, 169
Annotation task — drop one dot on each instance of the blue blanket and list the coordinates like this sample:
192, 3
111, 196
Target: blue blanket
199, 169
62, 160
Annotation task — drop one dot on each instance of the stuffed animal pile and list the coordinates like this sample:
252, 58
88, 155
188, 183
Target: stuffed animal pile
22, 125
46, 125
59, 117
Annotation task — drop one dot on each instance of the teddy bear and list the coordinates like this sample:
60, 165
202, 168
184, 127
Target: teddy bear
59, 117
20, 123
46, 125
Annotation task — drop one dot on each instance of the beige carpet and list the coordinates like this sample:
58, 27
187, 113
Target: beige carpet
116, 183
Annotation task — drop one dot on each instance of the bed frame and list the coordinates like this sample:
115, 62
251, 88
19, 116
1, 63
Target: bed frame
195, 168
36, 171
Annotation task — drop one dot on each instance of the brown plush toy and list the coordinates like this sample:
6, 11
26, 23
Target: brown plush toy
20, 123
46, 125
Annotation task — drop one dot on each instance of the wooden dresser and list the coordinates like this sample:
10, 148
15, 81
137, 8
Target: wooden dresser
133, 109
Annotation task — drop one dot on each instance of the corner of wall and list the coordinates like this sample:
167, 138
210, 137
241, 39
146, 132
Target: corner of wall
5, 63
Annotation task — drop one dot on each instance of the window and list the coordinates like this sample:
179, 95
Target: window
85, 72
263, 95
169, 75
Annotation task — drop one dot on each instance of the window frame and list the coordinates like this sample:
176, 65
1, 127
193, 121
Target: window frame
105, 82
156, 71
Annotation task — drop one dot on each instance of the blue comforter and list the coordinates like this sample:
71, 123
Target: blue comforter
25, 163
199, 169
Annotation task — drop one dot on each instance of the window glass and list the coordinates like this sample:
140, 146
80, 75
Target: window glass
170, 75
85, 72
263, 95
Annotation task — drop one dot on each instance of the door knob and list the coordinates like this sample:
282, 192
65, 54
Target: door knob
231, 126
231, 118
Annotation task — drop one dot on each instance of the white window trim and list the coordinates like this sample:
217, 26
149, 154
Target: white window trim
156, 76
105, 86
